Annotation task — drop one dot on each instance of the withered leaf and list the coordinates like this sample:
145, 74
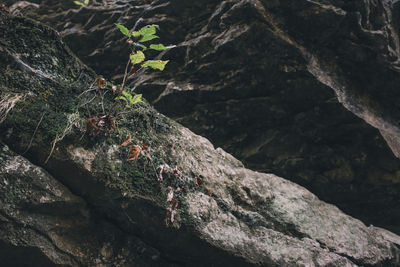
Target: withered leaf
91, 124
177, 173
101, 82
170, 212
100, 126
170, 195
145, 146
163, 168
127, 140
4, 7
134, 153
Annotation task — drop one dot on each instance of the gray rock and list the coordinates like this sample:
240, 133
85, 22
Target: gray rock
83, 204
304, 89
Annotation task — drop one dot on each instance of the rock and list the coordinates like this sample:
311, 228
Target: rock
72, 199
289, 87
43, 224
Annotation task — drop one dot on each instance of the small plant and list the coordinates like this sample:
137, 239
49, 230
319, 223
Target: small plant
137, 57
103, 125
130, 100
82, 3
103, 122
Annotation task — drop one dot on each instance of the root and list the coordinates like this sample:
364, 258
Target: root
7, 103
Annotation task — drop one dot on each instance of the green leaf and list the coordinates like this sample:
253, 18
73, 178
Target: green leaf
148, 30
129, 99
146, 38
123, 29
155, 64
120, 98
86, 2
136, 34
141, 46
137, 99
137, 57
128, 96
79, 3
158, 47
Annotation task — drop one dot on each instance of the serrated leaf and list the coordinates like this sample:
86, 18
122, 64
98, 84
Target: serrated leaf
128, 96
141, 46
158, 47
137, 57
79, 3
137, 99
123, 29
148, 30
155, 64
129, 99
136, 34
146, 38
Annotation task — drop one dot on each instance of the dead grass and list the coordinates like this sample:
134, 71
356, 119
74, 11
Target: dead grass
7, 103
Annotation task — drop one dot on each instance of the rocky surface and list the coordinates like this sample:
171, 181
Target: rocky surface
69, 199
303, 89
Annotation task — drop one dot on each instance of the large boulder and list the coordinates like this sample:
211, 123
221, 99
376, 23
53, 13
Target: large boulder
303, 89
71, 199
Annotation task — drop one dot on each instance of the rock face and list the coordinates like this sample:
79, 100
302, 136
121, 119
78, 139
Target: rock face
304, 89
69, 199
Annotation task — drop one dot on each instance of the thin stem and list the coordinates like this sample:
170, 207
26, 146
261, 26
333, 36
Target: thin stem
114, 106
125, 76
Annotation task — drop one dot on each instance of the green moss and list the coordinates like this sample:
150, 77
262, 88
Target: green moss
57, 97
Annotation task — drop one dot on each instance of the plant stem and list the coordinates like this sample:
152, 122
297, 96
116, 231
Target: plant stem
114, 108
125, 76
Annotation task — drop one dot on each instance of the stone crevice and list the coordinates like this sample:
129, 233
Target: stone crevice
41, 233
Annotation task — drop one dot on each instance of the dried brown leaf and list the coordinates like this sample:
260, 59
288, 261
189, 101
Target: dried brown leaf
91, 125
127, 140
101, 82
145, 146
134, 153
4, 7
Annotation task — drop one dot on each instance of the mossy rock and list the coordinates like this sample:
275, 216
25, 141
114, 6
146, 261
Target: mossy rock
191, 204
